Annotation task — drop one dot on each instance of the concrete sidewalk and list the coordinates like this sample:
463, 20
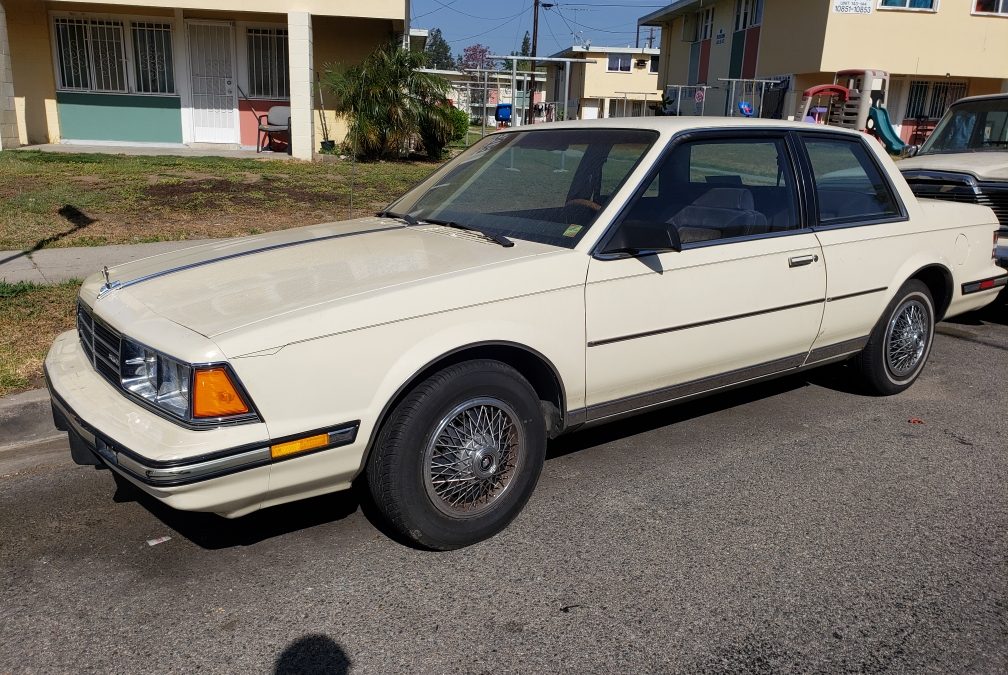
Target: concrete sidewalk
52, 265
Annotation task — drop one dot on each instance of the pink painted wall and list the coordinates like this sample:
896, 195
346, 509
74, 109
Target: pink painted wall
248, 121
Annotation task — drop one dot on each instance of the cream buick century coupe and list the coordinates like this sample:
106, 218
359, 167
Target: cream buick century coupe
547, 279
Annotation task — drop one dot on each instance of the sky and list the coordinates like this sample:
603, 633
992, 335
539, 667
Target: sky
501, 25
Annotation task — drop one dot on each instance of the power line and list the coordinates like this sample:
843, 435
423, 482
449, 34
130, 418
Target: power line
607, 4
497, 27
473, 16
436, 9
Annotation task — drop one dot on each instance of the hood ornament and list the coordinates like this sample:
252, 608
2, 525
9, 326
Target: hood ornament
109, 285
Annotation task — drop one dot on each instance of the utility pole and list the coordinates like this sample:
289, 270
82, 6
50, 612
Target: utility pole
530, 91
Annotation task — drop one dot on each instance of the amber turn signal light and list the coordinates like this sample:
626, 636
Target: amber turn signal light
300, 445
215, 395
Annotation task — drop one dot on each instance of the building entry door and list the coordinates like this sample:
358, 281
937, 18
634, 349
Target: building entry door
211, 70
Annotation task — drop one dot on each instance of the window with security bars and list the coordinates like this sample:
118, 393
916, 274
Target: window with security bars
91, 55
152, 58
929, 99
268, 58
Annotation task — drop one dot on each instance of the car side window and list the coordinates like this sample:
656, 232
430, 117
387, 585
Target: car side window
720, 189
849, 185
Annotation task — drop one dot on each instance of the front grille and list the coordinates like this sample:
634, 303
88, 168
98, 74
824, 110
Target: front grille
994, 195
100, 344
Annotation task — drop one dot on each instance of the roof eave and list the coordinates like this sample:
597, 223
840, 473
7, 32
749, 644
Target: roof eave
667, 13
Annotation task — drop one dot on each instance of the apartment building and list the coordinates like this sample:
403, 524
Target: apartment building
177, 72
935, 51
618, 82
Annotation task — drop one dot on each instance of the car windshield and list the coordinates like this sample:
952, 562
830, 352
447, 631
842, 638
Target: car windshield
971, 127
546, 185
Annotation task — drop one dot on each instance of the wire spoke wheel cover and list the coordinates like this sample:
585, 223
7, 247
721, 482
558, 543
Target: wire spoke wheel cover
473, 456
906, 338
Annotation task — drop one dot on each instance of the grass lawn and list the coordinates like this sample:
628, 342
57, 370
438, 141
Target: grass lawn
31, 316
62, 199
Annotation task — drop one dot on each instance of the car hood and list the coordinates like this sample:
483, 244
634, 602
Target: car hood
987, 165
273, 286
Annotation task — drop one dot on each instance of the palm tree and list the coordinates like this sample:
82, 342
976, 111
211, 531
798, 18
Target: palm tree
387, 103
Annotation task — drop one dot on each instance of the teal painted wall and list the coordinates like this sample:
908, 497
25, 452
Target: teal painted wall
119, 117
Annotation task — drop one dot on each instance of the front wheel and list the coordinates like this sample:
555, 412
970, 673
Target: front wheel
459, 456
900, 343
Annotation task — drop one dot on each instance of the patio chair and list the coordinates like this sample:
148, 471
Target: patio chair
276, 121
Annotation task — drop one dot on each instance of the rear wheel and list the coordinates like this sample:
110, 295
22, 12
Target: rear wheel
459, 456
900, 343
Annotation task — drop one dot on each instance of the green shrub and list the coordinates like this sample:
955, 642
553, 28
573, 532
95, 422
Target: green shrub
460, 120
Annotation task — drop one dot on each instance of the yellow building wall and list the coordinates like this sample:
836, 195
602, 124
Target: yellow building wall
385, 9
950, 41
600, 83
792, 37
335, 43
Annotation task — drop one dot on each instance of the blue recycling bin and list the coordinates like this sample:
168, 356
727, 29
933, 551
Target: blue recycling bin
503, 112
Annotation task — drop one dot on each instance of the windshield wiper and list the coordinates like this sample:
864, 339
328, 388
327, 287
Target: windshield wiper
492, 236
405, 217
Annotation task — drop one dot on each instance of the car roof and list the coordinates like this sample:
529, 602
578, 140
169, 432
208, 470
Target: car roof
672, 125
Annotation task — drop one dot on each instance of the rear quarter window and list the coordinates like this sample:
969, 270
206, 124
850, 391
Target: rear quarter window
850, 187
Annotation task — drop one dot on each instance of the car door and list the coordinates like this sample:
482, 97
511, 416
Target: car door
744, 296
863, 228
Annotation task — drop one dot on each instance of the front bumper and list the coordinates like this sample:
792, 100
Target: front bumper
226, 470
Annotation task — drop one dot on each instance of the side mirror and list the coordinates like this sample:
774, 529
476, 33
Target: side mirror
909, 151
637, 238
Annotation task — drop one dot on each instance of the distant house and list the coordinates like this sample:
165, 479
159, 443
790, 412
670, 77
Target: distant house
621, 82
935, 51
174, 72
479, 93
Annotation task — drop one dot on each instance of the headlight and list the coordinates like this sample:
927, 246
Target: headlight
158, 379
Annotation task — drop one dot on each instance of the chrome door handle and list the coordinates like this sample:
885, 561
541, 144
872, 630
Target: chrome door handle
802, 260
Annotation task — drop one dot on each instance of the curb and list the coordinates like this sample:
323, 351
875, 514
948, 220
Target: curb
26, 419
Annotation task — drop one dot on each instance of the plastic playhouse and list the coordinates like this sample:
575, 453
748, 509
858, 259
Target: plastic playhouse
855, 100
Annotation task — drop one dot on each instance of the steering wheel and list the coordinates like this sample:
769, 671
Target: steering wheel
587, 203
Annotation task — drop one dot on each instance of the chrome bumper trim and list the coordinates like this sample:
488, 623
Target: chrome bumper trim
171, 473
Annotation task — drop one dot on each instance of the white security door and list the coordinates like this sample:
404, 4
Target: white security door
211, 67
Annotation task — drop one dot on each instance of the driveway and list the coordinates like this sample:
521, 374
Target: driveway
793, 526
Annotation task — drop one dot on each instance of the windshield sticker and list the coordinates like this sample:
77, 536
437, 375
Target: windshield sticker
573, 230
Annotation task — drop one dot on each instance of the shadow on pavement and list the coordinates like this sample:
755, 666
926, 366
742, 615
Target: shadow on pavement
210, 531
639, 424
996, 313
311, 655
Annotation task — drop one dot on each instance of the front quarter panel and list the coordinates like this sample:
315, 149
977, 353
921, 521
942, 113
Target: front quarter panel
353, 375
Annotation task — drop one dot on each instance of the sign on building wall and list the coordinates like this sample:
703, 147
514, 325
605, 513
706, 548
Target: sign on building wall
853, 6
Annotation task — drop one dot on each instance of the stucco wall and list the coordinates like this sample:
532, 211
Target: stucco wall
119, 117
950, 40
792, 37
600, 83
386, 9
339, 42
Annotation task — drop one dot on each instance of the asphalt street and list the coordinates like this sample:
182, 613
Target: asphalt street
796, 526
